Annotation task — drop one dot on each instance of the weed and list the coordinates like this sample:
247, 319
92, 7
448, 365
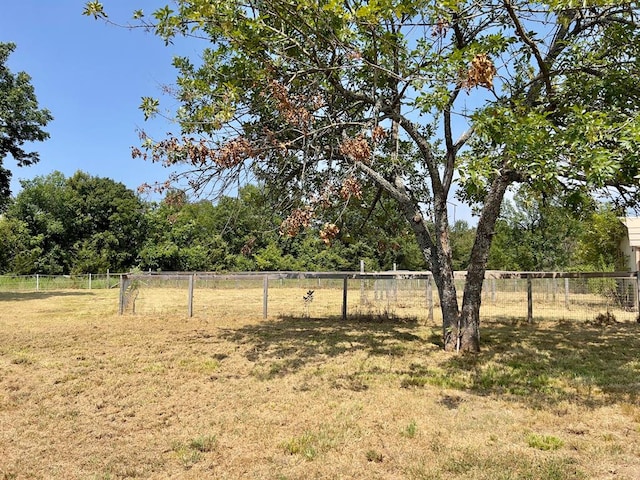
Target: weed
451, 401
303, 445
614, 449
22, 360
204, 443
434, 377
265, 373
209, 365
350, 382
544, 442
374, 456
410, 430
206, 366
382, 316
630, 410
436, 444
414, 381
188, 458
102, 476
191, 452
461, 464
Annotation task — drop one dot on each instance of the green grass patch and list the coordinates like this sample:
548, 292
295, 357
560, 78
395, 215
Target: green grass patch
544, 442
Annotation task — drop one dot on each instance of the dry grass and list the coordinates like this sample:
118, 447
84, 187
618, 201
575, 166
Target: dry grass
87, 394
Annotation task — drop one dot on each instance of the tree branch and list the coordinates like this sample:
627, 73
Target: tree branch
544, 69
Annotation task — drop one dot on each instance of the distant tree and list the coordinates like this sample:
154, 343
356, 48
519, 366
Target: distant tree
373, 226
16, 246
318, 98
598, 245
46, 207
462, 238
110, 224
77, 225
182, 236
20, 120
535, 233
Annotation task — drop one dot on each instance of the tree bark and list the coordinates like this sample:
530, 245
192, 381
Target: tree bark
467, 335
437, 252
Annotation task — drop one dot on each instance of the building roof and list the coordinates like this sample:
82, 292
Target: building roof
633, 227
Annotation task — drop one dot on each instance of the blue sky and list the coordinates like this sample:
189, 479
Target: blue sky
91, 76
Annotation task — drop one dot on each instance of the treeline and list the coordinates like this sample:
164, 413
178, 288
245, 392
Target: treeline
86, 224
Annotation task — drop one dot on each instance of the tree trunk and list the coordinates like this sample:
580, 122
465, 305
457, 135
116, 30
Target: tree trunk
467, 335
460, 328
438, 256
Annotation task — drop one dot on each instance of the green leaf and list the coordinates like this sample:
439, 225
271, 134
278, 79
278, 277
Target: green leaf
149, 107
94, 9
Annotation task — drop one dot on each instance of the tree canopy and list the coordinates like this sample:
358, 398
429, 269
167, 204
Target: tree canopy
86, 224
322, 100
21, 120
73, 225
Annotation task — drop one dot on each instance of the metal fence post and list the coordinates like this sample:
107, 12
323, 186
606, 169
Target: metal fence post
190, 300
529, 299
344, 298
265, 296
429, 297
362, 293
122, 292
637, 299
493, 291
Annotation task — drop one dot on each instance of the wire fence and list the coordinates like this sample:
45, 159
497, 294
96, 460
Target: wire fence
401, 295
515, 295
46, 283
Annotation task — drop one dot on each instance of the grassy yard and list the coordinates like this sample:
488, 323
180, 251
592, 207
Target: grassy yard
88, 394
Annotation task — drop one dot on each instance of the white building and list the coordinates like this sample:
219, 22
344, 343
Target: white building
630, 245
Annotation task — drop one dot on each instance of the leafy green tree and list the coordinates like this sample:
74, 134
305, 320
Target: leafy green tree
317, 98
373, 227
535, 234
110, 224
16, 246
462, 237
545, 235
182, 236
45, 205
76, 225
598, 246
21, 120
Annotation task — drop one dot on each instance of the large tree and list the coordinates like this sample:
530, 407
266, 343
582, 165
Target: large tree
421, 99
21, 120
536, 234
75, 225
